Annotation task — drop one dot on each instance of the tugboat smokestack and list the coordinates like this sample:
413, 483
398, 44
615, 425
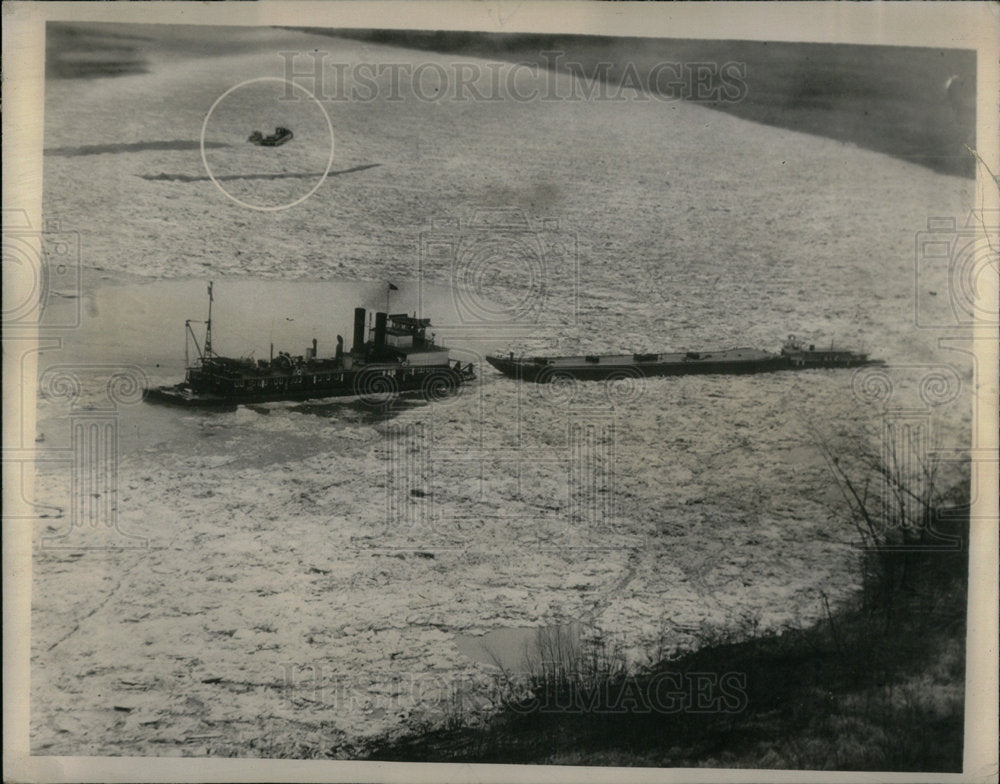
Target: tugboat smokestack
359, 329
380, 324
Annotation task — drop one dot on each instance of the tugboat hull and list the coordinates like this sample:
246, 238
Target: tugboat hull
371, 384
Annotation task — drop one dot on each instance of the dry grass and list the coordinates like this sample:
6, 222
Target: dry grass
878, 685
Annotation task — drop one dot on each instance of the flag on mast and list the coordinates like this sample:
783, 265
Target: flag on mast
210, 298
393, 287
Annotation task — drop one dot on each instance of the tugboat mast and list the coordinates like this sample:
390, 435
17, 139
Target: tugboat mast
208, 324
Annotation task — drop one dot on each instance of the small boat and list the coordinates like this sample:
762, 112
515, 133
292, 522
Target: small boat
798, 355
399, 356
280, 136
794, 355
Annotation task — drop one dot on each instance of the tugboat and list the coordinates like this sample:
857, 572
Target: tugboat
794, 356
279, 137
799, 356
398, 357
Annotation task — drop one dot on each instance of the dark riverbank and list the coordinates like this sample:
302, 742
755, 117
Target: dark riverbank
913, 103
878, 685
896, 100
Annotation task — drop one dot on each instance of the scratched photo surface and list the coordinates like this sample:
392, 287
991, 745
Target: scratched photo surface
753, 569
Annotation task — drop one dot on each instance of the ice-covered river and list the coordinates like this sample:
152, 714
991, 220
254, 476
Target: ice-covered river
291, 579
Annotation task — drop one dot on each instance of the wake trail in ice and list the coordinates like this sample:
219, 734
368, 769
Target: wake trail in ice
102, 149
280, 176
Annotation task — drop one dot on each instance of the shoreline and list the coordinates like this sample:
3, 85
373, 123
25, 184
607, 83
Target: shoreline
876, 685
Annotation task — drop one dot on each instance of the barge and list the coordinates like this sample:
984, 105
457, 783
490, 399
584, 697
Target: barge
794, 355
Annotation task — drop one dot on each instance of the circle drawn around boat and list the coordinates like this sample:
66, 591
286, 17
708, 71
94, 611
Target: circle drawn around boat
239, 176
